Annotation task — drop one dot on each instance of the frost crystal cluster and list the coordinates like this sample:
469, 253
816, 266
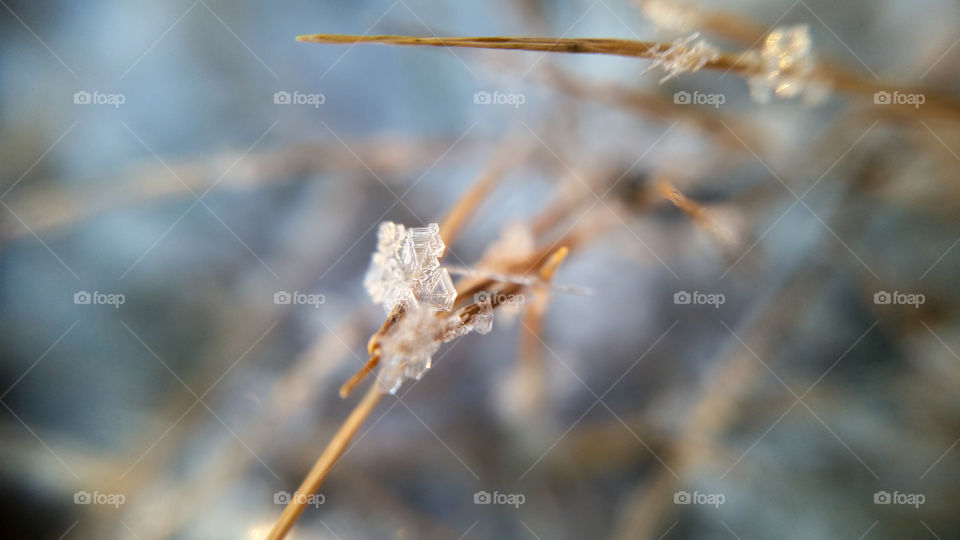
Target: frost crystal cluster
681, 57
406, 352
787, 67
405, 270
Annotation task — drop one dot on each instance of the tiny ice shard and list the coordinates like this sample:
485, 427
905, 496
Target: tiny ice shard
681, 57
482, 321
787, 67
406, 270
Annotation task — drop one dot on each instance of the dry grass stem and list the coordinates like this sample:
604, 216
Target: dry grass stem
617, 47
325, 462
742, 64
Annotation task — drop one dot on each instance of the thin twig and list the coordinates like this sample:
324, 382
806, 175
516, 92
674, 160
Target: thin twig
740, 63
617, 47
328, 458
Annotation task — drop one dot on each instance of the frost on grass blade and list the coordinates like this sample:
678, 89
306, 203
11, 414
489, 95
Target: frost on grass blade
788, 67
405, 271
682, 57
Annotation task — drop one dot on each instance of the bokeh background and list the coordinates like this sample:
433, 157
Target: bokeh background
795, 405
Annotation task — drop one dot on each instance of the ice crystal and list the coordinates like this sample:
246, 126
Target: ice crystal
405, 269
681, 56
482, 321
787, 67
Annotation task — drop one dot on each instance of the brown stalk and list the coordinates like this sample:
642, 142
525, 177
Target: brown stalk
669, 192
617, 47
324, 463
360, 375
741, 64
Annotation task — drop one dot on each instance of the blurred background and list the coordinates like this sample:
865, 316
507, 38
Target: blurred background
756, 336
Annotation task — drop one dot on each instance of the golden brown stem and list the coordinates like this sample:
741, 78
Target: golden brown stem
358, 377
624, 47
618, 47
324, 463
688, 207
557, 257
742, 64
